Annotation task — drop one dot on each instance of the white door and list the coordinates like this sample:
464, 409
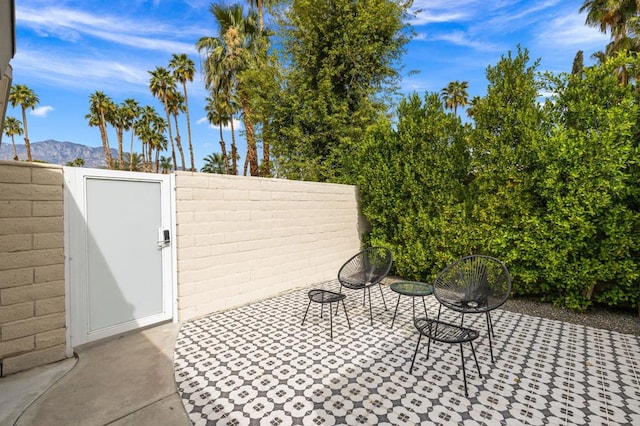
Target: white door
119, 257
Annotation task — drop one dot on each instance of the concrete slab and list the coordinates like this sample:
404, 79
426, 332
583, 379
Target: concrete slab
19, 391
166, 412
123, 379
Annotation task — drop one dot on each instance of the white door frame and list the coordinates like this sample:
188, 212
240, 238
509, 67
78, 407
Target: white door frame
75, 236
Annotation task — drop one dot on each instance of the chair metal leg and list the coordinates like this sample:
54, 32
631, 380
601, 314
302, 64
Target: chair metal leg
345, 314
330, 322
425, 308
305, 312
490, 343
413, 307
464, 373
490, 323
322, 309
476, 359
382, 294
415, 353
337, 305
370, 308
396, 311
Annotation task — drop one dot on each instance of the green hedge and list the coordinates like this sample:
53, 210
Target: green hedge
551, 188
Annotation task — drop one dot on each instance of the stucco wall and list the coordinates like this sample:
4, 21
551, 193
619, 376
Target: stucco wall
242, 239
32, 303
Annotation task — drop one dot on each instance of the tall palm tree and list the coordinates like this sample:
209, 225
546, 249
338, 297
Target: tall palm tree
455, 95
183, 71
118, 117
12, 127
176, 106
22, 95
158, 140
147, 127
132, 111
101, 107
161, 84
226, 57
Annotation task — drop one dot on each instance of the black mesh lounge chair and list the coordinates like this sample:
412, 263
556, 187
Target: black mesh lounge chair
364, 270
473, 285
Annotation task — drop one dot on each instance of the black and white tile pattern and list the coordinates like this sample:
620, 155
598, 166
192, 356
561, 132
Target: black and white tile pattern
257, 365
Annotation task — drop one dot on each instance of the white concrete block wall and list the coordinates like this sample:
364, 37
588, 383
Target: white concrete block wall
32, 288
243, 239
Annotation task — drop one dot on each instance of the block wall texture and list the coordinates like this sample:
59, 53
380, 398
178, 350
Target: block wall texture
242, 239
32, 287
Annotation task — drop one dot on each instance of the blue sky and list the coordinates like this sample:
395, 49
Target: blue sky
66, 50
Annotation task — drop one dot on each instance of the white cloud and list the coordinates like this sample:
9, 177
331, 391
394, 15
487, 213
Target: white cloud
439, 11
72, 25
42, 111
460, 38
571, 31
237, 124
83, 73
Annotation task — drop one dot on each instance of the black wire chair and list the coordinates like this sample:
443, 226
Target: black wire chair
473, 285
364, 270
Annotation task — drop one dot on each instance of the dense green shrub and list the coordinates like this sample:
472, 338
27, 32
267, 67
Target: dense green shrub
589, 238
510, 126
551, 188
412, 186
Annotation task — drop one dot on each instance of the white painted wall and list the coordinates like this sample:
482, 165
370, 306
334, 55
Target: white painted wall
244, 239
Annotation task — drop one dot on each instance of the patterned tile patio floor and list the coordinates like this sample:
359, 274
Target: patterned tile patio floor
258, 365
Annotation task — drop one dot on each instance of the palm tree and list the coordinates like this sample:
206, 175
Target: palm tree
158, 141
119, 118
160, 84
78, 162
218, 115
133, 162
12, 127
183, 71
132, 111
473, 105
176, 106
22, 95
165, 164
214, 163
101, 107
227, 56
455, 95
619, 17
150, 128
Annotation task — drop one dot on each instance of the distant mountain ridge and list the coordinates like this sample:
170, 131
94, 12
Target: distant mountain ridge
56, 152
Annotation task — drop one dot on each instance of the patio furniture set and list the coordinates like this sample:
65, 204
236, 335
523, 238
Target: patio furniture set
474, 284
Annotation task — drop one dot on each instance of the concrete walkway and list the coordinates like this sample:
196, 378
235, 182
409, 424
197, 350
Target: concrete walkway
126, 380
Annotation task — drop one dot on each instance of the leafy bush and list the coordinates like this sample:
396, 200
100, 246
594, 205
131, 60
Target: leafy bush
550, 188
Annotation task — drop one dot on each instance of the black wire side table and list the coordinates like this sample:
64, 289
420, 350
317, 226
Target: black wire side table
412, 289
326, 296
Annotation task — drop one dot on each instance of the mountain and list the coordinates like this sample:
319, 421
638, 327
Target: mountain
55, 152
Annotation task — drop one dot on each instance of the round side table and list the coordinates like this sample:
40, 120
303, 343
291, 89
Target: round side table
413, 289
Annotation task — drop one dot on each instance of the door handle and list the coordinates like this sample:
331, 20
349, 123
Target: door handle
164, 237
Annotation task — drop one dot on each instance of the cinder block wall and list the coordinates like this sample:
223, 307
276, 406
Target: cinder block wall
32, 303
242, 239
